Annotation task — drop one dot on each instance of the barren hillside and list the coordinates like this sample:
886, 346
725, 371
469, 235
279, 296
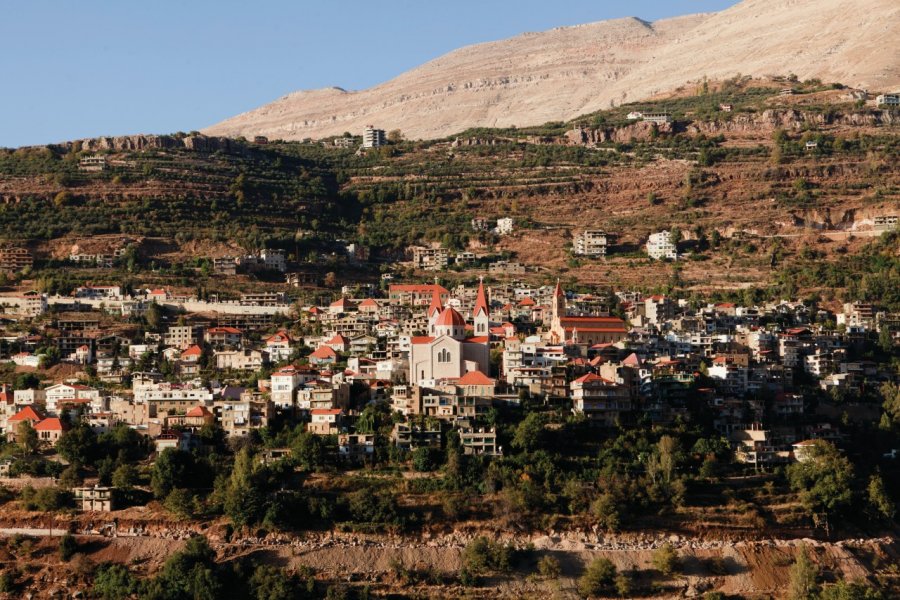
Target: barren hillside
559, 74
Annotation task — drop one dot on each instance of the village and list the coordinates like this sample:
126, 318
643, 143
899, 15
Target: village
774, 378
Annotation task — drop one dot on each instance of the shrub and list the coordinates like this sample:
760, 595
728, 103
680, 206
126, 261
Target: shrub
549, 567
114, 582
665, 559
597, 578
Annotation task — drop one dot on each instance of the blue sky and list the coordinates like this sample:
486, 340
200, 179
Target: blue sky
79, 69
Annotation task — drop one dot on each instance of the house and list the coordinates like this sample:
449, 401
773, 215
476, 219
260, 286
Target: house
278, 346
95, 499
192, 354
600, 400
338, 343
479, 441
27, 415
223, 336
661, 246
182, 336
323, 355
240, 360
249, 412
284, 383
325, 421
504, 226
417, 295
888, 100
356, 447
56, 394
49, 430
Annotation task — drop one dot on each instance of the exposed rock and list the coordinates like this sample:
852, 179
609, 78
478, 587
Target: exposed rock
566, 72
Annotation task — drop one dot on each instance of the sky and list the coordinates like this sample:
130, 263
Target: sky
72, 70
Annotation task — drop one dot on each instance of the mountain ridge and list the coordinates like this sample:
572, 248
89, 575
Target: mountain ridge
561, 73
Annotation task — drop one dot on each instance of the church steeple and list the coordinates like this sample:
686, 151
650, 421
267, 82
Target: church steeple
557, 312
434, 311
482, 312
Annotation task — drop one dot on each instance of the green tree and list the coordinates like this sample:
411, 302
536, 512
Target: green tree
529, 433
125, 477
244, 500
169, 471
27, 437
271, 583
879, 498
114, 582
78, 444
598, 578
68, 546
665, 559
803, 576
823, 480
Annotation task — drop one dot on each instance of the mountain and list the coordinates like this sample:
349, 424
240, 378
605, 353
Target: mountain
562, 73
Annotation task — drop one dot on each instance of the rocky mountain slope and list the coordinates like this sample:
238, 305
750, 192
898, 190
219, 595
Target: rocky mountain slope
559, 74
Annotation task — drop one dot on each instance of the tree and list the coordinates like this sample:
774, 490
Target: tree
114, 582
802, 584
68, 546
605, 510
529, 433
124, 477
169, 471
271, 583
879, 498
425, 459
27, 437
395, 136
665, 559
78, 445
597, 578
244, 500
823, 480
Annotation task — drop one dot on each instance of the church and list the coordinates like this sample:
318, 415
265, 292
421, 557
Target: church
581, 330
446, 352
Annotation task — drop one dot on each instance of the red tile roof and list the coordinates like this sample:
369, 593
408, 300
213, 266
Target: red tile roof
26, 414
198, 411
324, 352
51, 424
475, 378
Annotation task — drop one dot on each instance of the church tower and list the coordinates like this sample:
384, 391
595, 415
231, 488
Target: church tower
557, 312
434, 311
481, 313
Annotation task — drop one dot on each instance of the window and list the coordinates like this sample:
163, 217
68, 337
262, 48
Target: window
444, 356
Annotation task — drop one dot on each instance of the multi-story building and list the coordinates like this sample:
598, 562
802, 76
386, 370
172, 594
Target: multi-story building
661, 246
591, 242
373, 138
430, 259
598, 399
15, 259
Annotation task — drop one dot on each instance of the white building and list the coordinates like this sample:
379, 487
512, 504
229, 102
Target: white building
660, 246
888, 100
504, 226
373, 138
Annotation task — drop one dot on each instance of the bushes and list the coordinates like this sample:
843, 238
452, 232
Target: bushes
482, 556
598, 578
114, 582
45, 499
665, 560
549, 567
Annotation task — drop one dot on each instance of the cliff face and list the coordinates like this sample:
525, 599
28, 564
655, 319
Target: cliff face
566, 72
200, 143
